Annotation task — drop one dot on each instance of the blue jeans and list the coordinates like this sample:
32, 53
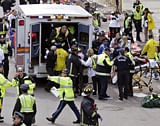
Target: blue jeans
62, 105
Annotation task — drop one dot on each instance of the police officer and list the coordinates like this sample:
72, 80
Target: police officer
22, 78
3, 28
26, 105
63, 35
132, 71
89, 115
138, 3
137, 19
128, 26
3, 83
18, 119
66, 95
103, 70
122, 67
7, 50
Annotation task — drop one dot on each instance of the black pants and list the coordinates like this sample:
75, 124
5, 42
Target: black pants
123, 80
6, 67
138, 26
94, 80
129, 33
102, 86
75, 84
61, 107
28, 117
130, 88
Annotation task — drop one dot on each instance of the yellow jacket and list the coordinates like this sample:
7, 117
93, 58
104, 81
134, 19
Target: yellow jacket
150, 48
61, 59
151, 24
3, 83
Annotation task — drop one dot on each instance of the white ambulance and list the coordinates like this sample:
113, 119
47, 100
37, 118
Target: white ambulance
34, 25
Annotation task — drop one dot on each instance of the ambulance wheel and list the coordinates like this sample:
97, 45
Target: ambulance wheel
150, 88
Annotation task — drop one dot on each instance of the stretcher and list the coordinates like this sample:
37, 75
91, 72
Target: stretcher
144, 66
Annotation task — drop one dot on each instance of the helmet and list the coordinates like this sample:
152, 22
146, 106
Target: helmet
19, 115
74, 48
65, 71
24, 87
87, 91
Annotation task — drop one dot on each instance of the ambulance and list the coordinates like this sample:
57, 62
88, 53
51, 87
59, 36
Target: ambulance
33, 27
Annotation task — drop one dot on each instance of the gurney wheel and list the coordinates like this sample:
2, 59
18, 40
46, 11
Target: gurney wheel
150, 88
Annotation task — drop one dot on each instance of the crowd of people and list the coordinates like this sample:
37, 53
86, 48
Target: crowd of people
67, 65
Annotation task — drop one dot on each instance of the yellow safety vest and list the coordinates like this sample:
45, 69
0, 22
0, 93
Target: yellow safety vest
100, 60
4, 47
137, 15
3, 32
66, 87
58, 32
71, 29
127, 21
3, 83
131, 58
93, 63
27, 102
95, 22
26, 81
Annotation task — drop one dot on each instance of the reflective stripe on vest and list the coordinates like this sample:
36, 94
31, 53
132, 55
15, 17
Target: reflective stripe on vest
4, 82
94, 63
3, 32
65, 86
4, 47
27, 102
103, 74
58, 32
137, 15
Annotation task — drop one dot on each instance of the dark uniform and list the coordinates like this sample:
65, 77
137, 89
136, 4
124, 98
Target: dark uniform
103, 70
65, 38
50, 64
74, 66
26, 105
89, 115
122, 63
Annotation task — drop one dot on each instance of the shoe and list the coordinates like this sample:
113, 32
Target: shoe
76, 122
51, 119
1, 121
156, 78
121, 99
1, 117
47, 90
107, 96
103, 98
125, 98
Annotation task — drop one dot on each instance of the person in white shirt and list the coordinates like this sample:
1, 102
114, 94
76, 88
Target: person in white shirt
114, 25
91, 63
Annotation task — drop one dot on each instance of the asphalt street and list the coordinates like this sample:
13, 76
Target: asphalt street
113, 112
